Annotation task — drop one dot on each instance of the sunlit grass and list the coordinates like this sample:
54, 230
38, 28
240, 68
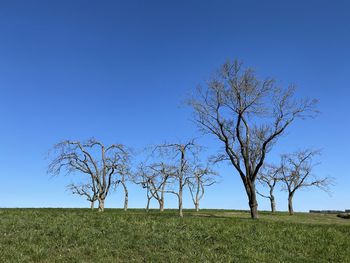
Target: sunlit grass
81, 235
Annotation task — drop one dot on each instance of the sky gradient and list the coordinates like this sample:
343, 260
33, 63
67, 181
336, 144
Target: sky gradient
120, 72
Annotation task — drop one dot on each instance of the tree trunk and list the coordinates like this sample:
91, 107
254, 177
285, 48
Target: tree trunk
196, 201
147, 206
196, 206
126, 194
253, 208
253, 204
92, 205
180, 202
126, 201
101, 205
126, 198
290, 204
273, 204
161, 205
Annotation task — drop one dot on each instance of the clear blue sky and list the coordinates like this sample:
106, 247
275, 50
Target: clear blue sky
120, 71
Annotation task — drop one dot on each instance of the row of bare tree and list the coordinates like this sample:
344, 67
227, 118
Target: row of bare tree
245, 114
168, 169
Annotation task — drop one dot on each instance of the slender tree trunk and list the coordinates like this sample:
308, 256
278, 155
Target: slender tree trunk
180, 180
126, 197
196, 201
273, 204
290, 204
92, 204
272, 198
180, 202
196, 206
126, 201
101, 205
161, 203
147, 206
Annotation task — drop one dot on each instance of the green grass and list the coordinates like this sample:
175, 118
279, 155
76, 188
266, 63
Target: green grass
81, 235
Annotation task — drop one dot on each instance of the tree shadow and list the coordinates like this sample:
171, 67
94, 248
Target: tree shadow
203, 215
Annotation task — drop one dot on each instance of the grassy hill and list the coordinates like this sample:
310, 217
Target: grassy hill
81, 235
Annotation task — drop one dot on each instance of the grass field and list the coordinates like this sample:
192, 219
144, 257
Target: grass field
81, 235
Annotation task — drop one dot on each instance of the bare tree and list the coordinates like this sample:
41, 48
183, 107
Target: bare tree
181, 156
269, 175
123, 176
296, 170
202, 177
160, 174
122, 181
92, 158
141, 177
86, 190
154, 178
247, 116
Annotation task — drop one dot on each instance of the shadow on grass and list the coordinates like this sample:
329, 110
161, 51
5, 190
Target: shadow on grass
231, 216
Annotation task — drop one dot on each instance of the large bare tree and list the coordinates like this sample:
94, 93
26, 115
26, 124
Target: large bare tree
247, 115
269, 176
296, 170
98, 162
202, 177
86, 190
